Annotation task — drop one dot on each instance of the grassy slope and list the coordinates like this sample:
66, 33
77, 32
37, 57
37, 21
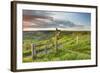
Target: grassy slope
68, 49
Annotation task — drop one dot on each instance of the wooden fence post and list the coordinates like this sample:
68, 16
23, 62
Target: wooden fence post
77, 39
56, 48
56, 40
46, 47
33, 46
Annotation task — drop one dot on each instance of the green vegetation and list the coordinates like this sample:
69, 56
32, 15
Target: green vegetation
71, 45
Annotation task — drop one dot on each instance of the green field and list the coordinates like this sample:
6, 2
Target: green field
56, 46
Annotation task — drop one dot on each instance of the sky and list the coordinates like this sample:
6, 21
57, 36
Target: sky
59, 18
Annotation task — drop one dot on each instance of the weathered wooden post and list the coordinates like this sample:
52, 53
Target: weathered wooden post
56, 40
77, 37
33, 46
56, 48
46, 48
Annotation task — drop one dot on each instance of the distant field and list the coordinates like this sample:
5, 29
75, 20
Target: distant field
56, 46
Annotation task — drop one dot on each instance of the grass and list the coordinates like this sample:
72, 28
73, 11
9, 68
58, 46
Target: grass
68, 49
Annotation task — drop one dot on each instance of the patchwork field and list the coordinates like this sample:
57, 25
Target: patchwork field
42, 46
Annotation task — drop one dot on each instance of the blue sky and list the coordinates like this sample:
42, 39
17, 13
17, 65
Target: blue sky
76, 18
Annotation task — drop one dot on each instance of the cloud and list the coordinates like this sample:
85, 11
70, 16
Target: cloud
51, 19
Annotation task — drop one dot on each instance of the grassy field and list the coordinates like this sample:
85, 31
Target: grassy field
50, 46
